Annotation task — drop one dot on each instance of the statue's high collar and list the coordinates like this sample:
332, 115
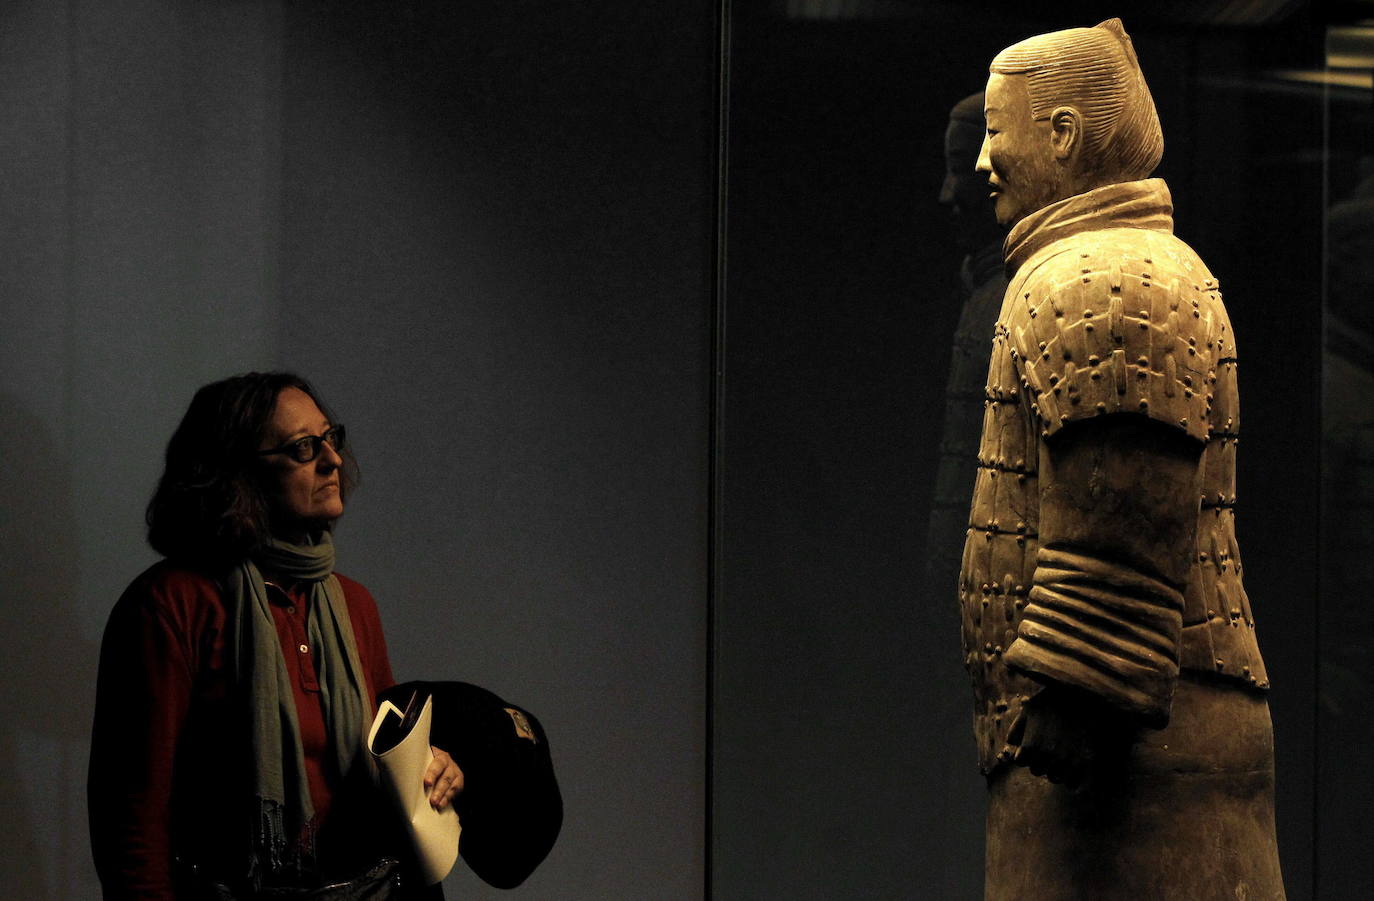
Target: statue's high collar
1133, 204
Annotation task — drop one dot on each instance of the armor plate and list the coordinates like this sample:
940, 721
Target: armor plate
1124, 320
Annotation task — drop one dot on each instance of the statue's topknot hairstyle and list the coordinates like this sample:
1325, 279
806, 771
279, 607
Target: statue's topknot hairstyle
1095, 71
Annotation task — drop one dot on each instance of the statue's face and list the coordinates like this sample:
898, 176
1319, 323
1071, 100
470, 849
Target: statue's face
1018, 153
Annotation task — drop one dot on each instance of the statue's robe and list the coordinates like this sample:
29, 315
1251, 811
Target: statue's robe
1101, 562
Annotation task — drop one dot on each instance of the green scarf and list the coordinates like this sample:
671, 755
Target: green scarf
284, 809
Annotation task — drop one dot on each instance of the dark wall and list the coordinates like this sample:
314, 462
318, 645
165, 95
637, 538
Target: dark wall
517, 197
485, 231
1346, 632
137, 162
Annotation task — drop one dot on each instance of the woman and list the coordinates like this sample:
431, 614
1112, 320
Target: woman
237, 676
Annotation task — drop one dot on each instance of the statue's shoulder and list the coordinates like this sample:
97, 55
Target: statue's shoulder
1148, 254
1117, 320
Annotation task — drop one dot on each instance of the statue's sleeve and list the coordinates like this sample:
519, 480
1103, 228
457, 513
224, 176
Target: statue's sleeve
1117, 368
1118, 513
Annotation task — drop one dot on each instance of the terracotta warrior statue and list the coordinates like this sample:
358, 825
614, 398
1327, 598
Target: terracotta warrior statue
1119, 692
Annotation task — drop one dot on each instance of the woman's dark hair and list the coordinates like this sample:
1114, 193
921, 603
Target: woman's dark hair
208, 505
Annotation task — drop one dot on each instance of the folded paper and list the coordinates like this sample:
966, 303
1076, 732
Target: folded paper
399, 742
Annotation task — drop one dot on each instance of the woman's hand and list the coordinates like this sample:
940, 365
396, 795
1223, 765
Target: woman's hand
443, 779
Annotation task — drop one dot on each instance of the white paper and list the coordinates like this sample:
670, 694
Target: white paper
433, 833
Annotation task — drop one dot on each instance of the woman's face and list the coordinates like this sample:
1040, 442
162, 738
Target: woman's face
303, 496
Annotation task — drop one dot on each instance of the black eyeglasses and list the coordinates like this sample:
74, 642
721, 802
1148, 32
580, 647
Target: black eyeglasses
305, 449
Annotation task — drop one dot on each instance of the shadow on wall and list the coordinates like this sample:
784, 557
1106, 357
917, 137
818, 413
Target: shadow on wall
50, 666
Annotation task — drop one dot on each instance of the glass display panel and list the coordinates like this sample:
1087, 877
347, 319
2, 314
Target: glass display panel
843, 756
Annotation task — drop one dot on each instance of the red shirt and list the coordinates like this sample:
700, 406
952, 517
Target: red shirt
169, 770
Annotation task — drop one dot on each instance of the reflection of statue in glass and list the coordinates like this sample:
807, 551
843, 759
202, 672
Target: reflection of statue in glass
1109, 638
1347, 456
979, 238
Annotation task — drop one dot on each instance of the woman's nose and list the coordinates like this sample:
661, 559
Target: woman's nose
329, 458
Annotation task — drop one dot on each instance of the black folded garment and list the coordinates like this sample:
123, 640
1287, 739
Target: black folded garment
510, 806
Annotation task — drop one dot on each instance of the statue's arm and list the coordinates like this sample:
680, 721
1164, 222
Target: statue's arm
1119, 498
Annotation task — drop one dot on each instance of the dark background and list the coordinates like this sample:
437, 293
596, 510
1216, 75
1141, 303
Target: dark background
488, 231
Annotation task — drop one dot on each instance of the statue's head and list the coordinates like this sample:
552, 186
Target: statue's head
1066, 112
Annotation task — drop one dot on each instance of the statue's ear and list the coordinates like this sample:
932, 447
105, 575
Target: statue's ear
1066, 132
